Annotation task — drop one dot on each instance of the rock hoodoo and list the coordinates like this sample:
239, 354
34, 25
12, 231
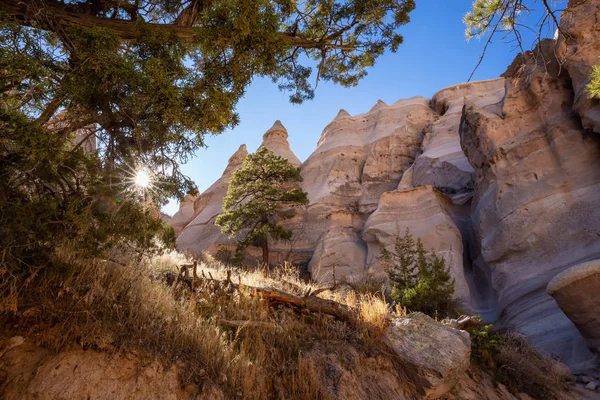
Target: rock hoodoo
577, 292
501, 177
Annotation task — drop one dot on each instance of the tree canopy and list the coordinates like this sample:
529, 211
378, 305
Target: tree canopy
261, 194
147, 80
154, 77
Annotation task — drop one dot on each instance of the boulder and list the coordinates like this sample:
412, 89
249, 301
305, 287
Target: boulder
577, 293
439, 355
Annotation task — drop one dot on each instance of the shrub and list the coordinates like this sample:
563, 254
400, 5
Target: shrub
419, 278
593, 87
515, 363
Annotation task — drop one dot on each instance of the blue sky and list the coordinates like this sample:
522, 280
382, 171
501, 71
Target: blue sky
434, 55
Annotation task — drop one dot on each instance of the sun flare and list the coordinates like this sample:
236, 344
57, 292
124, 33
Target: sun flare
142, 178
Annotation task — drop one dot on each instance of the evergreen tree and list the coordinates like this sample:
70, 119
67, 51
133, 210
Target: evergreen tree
260, 195
148, 80
419, 278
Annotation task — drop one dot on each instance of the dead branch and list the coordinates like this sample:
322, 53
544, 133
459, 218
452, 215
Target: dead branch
310, 303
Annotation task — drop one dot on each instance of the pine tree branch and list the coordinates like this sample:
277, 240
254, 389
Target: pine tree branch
51, 15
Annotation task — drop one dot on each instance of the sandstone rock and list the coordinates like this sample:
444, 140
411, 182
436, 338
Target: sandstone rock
580, 51
443, 163
184, 215
592, 386
438, 354
201, 233
275, 139
341, 248
477, 385
362, 156
357, 158
577, 292
536, 204
421, 210
31, 372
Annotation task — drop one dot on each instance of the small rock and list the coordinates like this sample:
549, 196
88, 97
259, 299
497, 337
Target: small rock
592, 386
585, 379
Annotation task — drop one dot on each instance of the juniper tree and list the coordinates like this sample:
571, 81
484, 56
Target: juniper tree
149, 79
419, 278
260, 195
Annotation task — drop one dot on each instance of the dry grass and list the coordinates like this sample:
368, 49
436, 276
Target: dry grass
520, 367
109, 306
513, 361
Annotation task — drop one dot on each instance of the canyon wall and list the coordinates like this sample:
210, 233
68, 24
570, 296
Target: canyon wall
500, 177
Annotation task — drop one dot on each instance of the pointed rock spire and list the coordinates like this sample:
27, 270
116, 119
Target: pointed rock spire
277, 128
342, 114
275, 139
380, 104
236, 159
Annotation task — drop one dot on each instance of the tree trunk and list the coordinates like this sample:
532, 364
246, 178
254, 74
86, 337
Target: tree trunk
265, 251
54, 16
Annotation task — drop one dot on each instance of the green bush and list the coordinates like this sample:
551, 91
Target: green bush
593, 87
419, 278
484, 344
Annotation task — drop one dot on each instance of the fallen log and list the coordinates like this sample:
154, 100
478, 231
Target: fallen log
310, 302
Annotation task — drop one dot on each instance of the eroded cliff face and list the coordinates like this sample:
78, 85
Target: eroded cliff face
501, 177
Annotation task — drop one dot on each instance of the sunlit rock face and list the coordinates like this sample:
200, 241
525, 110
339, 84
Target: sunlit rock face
423, 211
184, 215
200, 232
536, 206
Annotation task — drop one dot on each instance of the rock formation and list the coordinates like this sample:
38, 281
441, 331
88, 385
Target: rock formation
535, 210
184, 215
577, 293
200, 232
441, 355
501, 177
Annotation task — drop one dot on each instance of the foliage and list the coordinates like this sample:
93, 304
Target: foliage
120, 308
419, 278
513, 361
508, 18
55, 203
260, 194
593, 87
484, 343
146, 81
153, 78
230, 258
